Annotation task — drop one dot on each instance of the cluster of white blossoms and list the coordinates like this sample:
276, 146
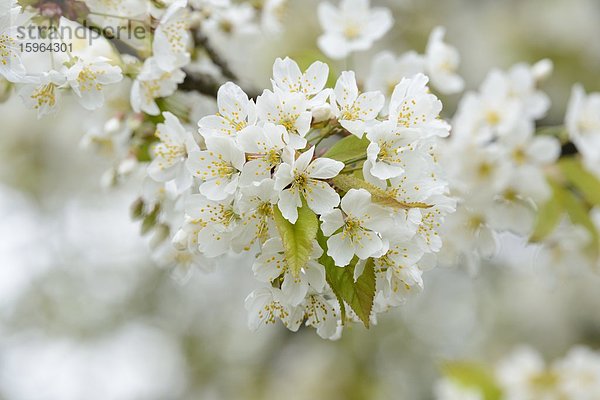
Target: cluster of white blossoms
333, 198
523, 374
507, 177
496, 162
440, 63
338, 191
157, 33
85, 76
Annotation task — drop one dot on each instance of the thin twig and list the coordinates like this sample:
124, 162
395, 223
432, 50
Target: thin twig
216, 58
202, 83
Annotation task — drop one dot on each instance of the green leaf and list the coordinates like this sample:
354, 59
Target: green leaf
149, 222
348, 148
585, 182
473, 376
346, 182
579, 214
566, 201
137, 209
297, 238
548, 216
358, 295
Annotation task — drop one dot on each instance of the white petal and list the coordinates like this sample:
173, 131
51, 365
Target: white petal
315, 275
294, 289
357, 128
303, 122
346, 89
356, 202
288, 204
315, 77
304, 159
369, 245
380, 21
370, 104
324, 168
334, 45
255, 171
283, 176
385, 171
286, 74
544, 149
341, 250
320, 197
331, 222
218, 189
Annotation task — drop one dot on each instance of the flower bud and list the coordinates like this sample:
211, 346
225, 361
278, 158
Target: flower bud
542, 69
180, 240
322, 113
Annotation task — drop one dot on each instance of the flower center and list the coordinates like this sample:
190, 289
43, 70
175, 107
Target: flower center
273, 157
352, 31
87, 80
300, 180
352, 229
492, 118
44, 95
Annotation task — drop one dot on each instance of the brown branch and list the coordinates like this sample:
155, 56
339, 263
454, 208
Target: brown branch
202, 40
202, 83
207, 85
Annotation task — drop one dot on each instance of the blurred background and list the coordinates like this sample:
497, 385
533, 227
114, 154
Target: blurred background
86, 314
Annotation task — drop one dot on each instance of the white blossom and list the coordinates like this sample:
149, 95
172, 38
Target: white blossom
289, 109
215, 224
172, 40
218, 167
152, 83
271, 264
352, 27
288, 77
11, 63
88, 79
302, 178
388, 70
321, 314
360, 221
236, 112
441, 63
384, 154
579, 373
264, 147
355, 112
266, 306
412, 106
170, 154
43, 95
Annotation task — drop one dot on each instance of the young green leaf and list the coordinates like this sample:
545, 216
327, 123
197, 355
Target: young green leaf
579, 214
346, 182
150, 220
297, 238
548, 216
349, 148
358, 295
585, 182
473, 376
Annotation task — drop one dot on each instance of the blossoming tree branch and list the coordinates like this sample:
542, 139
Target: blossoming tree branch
345, 188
